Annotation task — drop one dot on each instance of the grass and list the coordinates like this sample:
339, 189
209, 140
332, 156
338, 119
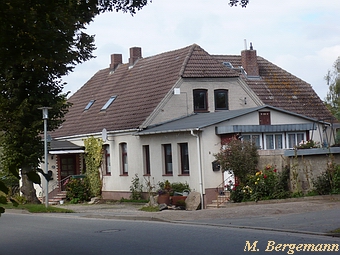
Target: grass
140, 201
150, 209
37, 208
337, 231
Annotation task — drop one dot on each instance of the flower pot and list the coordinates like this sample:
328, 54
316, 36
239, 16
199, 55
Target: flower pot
175, 199
163, 199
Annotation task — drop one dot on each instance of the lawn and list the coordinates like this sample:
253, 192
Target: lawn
34, 208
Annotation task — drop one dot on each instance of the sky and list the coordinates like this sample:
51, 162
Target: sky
300, 36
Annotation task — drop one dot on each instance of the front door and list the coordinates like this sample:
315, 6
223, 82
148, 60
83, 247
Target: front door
67, 165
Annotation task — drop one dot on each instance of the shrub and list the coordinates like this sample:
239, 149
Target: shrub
78, 190
265, 184
328, 182
239, 156
136, 188
179, 187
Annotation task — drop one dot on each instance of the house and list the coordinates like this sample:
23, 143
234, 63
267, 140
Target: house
165, 116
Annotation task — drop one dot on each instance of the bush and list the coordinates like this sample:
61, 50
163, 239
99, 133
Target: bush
179, 187
328, 182
78, 190
263, 185
136, 188
240, 156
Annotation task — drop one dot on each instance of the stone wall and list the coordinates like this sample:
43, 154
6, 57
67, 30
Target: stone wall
304, 165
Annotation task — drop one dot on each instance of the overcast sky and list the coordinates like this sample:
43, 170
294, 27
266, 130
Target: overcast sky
300, 36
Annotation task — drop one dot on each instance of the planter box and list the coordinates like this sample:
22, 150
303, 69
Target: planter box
163, 199
175, 199
312, 151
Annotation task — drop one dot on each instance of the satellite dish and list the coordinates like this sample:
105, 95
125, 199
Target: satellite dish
104, 134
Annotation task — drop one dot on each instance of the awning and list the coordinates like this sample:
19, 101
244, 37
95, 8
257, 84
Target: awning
66, 152
265, 128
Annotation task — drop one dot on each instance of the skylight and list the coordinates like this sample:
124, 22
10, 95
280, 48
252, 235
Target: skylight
89, 105
108, 103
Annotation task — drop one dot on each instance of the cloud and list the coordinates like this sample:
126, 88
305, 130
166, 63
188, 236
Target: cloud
303, 37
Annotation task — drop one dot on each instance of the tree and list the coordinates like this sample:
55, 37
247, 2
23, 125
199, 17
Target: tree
332, 99
242, 3
239, 156
41, 41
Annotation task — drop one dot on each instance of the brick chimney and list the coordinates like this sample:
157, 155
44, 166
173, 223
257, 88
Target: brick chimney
116, 59
135, 54
249, 61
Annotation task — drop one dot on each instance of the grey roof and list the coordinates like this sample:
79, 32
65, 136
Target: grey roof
202, 120
63, 145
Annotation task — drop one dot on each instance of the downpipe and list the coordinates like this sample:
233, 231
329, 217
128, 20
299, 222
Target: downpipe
200, 174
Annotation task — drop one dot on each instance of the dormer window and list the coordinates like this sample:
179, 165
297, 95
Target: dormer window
89, 105
108, 103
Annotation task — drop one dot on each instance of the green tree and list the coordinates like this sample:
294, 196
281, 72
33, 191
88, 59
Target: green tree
332, 99
239, 156
242, 3
41, 41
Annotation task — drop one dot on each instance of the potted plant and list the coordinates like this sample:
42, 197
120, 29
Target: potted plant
180, 192
164, 192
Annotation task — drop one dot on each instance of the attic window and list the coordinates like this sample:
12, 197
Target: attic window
108, 103
89, 105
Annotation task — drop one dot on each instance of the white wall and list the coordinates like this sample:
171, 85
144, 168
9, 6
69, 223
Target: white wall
175, 106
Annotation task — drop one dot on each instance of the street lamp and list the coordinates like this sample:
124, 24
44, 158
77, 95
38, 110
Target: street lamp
45, 117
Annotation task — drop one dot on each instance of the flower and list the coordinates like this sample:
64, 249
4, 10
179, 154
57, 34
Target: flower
164, 188
265, 176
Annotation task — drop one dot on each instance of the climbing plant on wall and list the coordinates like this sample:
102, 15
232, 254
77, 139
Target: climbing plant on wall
93, 161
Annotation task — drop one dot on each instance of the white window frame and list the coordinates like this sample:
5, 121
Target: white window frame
296, 134
251, 137
274, 135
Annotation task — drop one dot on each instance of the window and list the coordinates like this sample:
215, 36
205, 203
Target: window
274, 141
124, 163
167, 154
89, 105
107, 163
108, 103
264, 118
200, 100
146, 156
184, 157
221, 99
295, 139
253, 137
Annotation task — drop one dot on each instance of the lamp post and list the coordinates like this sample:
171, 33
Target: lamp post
45, 118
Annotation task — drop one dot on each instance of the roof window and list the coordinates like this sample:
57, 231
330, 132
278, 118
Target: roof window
108, 103
89, 105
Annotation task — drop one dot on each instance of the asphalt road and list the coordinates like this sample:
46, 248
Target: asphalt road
56, 234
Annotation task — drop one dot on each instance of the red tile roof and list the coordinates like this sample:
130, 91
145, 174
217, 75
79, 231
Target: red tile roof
279, 88
138, 89
141, 88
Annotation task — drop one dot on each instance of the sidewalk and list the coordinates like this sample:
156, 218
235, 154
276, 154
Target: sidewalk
316, 215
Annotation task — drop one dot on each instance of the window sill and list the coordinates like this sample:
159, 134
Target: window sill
201, 111
107, 174
184, 175
124, 175
146, 174
167, 175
